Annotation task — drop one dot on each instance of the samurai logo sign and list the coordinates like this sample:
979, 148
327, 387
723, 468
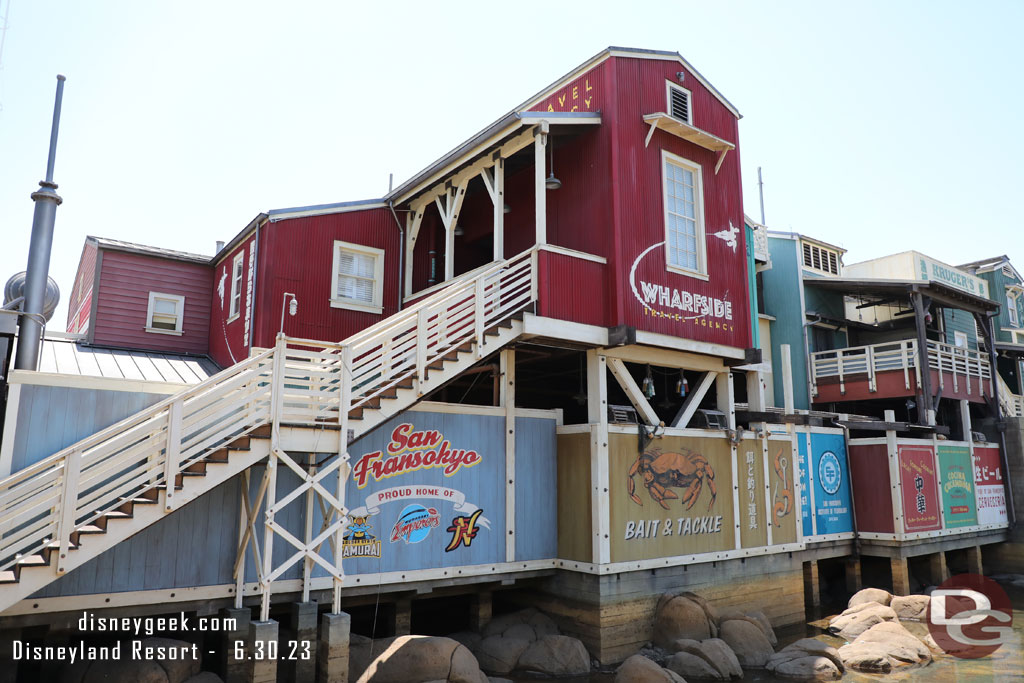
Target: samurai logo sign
358, 541
970, 616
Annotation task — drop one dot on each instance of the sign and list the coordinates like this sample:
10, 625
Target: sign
920, 487
936, 271
989, 486
676, 497
805, 488
753, 522
832, 501
781, 473
957, 480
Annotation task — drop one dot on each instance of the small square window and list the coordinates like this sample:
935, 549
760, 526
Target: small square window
357, 280
165, 313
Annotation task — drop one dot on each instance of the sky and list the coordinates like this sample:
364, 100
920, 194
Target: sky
879, 126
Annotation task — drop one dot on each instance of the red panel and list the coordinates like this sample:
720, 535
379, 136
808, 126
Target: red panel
123, 300
721, 302
80, 300
919, 483
872, 497
229, 339
573, 289
586, 93
892, 384
296, 255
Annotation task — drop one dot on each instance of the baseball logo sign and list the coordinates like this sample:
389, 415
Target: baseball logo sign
970, 616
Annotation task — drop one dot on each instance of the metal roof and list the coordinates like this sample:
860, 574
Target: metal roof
135, 248
69, 357
939, 293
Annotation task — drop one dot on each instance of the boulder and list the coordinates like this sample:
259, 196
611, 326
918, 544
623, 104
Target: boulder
912, 607
810, 669
495, 679
500, 655
870, 595
805, 647
715, 652
766, 626
125, 670
175, 656
709, 611
205, 677
362, 651
693, 667
859, 618
679, 617
748, 642
884, 647
639, 669
555, 656
468, 638
411, 659
541, 623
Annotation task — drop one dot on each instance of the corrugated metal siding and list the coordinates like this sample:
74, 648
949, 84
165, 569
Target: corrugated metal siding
229, 342
80, 299
586, 93
637, 177
781, 285
125, 283
297, 256
572, 289
869, 470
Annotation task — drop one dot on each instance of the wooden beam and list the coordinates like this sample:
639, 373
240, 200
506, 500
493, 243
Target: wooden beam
633, 391
540, 190
413, 221
597, 404
499, 209
721, 158
507, 365
692, 402
667, 358
925, 410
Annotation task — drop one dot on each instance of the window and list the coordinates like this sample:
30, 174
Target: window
165, 313
358, 277
236, 286
684, 215
678, 102
820, 258
1011, 310
959, 339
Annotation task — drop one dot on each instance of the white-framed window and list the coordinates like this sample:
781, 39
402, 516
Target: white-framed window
959, 339
1011, 309
236, 286
357, 277
165, 313
685, 246
820, 258
678, 102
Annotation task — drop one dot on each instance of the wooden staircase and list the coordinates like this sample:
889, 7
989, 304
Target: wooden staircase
301, 396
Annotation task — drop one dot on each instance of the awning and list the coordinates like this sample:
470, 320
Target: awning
948, 297
670, 124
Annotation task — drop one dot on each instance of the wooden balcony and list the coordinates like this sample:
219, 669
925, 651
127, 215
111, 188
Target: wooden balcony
891, 370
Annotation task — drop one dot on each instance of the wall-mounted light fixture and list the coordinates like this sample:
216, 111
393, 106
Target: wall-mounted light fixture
552, 183
293, 308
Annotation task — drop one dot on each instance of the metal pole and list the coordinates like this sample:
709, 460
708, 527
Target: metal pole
760, 193
47, 200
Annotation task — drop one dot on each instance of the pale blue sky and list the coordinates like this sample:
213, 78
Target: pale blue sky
880, 126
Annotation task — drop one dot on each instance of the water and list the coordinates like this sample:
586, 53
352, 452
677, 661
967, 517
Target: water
1006, 664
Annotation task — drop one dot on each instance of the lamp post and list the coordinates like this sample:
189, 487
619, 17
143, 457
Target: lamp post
293, 308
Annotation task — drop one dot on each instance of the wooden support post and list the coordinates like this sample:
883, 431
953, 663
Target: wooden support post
787, 378
755, 391
633, 391
261, 635
403, 617
900, 576
499, 209
332, 648
540, 190
974, 565
692, 402
853, 575
597, 408
173, 453
508, 402
480, 610
812, 591
937, 570
69, 506
925, 409
896, 494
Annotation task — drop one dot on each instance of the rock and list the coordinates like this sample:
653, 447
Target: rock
859, 618
693, 667
176, 657
495, 679
748, 642
639, 669
914, 607
678, 617
498, 654
766, 626
205, 677
810, 669
805, 647
710, 612
883, 647
125, 670
715, 652
410, 659
555, 656
541, 623
870, 595
362, 651
468, 638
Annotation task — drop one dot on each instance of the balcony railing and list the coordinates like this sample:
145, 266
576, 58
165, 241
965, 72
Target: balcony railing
955, 365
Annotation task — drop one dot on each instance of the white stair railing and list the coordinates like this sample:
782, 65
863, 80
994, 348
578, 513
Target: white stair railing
43, 505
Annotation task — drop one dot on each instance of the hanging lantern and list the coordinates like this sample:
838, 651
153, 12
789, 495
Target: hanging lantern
648, 384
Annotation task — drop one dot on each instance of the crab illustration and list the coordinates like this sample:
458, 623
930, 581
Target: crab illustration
662, 472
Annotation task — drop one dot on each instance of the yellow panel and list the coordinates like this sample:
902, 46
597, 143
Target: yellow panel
674, 499
753, 525
781, 463
574, 539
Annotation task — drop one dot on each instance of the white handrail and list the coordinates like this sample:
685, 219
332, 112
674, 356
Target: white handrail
900, 355
299, 381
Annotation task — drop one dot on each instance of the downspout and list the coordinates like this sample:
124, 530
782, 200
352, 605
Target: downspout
849, 476
255, 282
401, 253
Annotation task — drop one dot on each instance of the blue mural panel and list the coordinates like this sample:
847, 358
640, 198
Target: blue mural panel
805, 492
536, 489
833, 507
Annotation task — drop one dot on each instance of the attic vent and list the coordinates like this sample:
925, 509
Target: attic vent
819, 258
679, 104
1007, 271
